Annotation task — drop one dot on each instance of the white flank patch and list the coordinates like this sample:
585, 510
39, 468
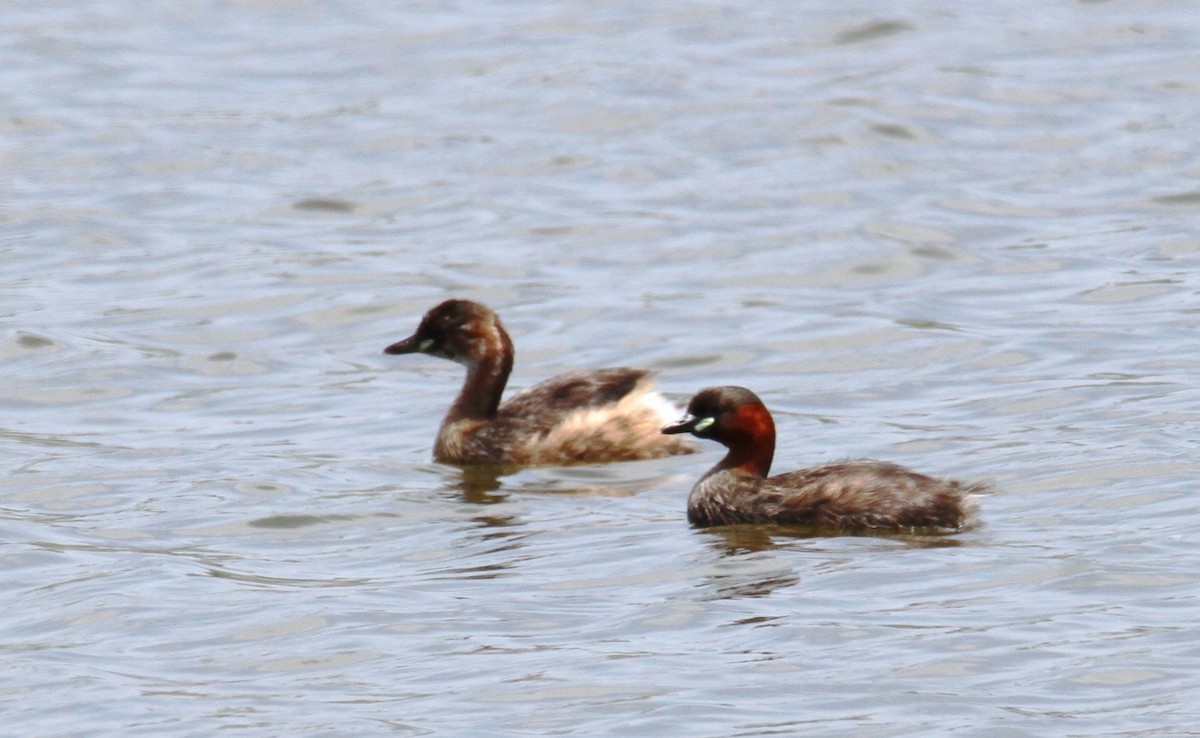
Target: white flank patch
659, 405
634, 421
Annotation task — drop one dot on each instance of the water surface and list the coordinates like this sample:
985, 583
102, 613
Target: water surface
963, 239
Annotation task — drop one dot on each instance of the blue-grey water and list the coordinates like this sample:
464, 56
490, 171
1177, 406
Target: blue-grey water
963, 237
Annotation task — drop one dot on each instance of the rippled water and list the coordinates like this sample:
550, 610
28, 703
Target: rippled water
962, 238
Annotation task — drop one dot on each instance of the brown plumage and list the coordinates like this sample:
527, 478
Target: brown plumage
849, 496
577, 417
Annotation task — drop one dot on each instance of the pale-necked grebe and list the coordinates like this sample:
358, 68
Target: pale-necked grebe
857, 495
577, 417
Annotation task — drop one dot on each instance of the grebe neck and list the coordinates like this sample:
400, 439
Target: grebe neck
480, 395
754, 460
749, 432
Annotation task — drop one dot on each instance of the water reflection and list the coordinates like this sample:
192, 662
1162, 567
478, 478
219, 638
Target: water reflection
264, 580
482, 485
731, 586
478, 485
755, 561
733, 540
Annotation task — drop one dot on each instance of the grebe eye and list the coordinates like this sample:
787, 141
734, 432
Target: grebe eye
702, 424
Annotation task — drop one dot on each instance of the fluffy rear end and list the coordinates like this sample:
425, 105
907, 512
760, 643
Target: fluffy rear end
625, 430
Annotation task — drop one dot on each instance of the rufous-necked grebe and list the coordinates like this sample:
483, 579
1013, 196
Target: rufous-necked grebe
857, 495
577, 417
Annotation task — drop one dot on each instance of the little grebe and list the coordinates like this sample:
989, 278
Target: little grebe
577, 417
858, 495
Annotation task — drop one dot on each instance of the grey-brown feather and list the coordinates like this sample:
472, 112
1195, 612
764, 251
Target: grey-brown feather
846, 495
544, 405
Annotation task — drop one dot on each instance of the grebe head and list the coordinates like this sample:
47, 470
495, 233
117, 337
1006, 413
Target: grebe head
731, 415
458, 330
